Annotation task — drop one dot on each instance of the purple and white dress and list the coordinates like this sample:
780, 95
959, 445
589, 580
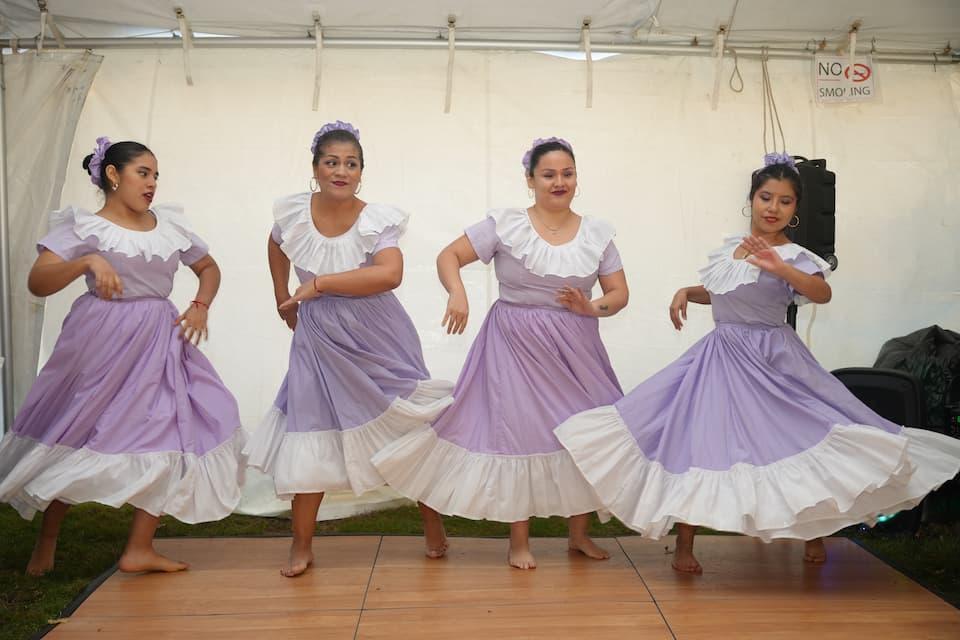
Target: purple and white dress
356, 379
492, 455
746, 432
125, 410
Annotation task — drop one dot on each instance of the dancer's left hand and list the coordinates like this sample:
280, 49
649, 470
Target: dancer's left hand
193, 324
306, 291
762, 254
574, 300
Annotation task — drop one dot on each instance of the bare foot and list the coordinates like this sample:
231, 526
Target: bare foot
41, 560
814, 551
439, 552
685, 562
435, 536
521, 559
148, 560
300, 560
589, 548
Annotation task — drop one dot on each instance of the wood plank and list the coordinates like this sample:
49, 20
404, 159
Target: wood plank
407, 551
613, 620
238, 576
823, 619
337, 552
737, 567
475, 571
303, 625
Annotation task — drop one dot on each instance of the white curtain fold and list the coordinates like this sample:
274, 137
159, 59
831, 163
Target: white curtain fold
44, 95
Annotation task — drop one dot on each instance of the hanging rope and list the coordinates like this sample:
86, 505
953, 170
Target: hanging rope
318, 40
588, 52
451, 50
813, 318
736, 73
770, 113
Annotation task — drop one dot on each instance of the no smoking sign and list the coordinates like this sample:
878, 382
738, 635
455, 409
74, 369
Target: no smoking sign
836, 80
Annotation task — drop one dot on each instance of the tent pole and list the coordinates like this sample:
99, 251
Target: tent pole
705, 48
6, 316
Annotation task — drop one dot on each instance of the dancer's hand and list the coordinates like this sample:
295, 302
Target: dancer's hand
107, 282
678, 309
306, 291
289, 315
458, 310
761, 254
193, 323
574, 300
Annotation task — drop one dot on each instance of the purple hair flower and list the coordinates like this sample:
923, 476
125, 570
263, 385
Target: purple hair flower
339, 125
540, 141
780, 158
96, 162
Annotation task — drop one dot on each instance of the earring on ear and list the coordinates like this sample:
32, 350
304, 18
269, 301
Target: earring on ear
314, 185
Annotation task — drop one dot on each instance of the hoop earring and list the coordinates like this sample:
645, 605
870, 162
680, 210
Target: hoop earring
744, 212
794, 226
576, 194
314, 185
530, 193
359, 186
115, 186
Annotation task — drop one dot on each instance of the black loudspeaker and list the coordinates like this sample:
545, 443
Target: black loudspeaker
817, 228
897, 396
891, 393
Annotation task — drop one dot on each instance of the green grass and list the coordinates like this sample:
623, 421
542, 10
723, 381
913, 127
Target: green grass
933, 559
93, 537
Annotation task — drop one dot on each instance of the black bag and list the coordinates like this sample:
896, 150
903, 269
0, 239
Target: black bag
933, 356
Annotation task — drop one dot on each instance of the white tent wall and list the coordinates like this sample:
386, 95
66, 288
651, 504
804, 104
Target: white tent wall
653, 158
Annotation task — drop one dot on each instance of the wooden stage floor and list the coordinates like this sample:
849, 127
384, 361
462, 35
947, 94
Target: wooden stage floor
383, 587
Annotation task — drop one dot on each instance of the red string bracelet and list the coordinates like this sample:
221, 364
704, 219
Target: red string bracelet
202, 304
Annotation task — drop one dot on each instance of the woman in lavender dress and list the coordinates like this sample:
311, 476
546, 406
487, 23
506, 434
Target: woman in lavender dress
537, 360
746, 432
127, 409
356, 379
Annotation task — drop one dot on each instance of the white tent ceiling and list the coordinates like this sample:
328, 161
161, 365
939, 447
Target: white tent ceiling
928, 26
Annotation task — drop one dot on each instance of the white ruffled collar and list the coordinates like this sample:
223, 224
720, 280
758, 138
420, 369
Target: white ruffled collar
170, 235
724, 273
578, 258
312, 251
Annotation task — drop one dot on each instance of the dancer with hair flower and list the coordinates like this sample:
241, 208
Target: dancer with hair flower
746, 432
356, 379
537, 360
127, 409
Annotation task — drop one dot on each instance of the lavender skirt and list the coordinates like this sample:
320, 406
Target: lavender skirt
492, 455
356, 382
125, 411
746, 432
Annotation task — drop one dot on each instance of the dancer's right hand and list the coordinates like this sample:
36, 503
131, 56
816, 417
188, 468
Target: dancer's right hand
455, 319
107, 282
678, 309
289, 315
